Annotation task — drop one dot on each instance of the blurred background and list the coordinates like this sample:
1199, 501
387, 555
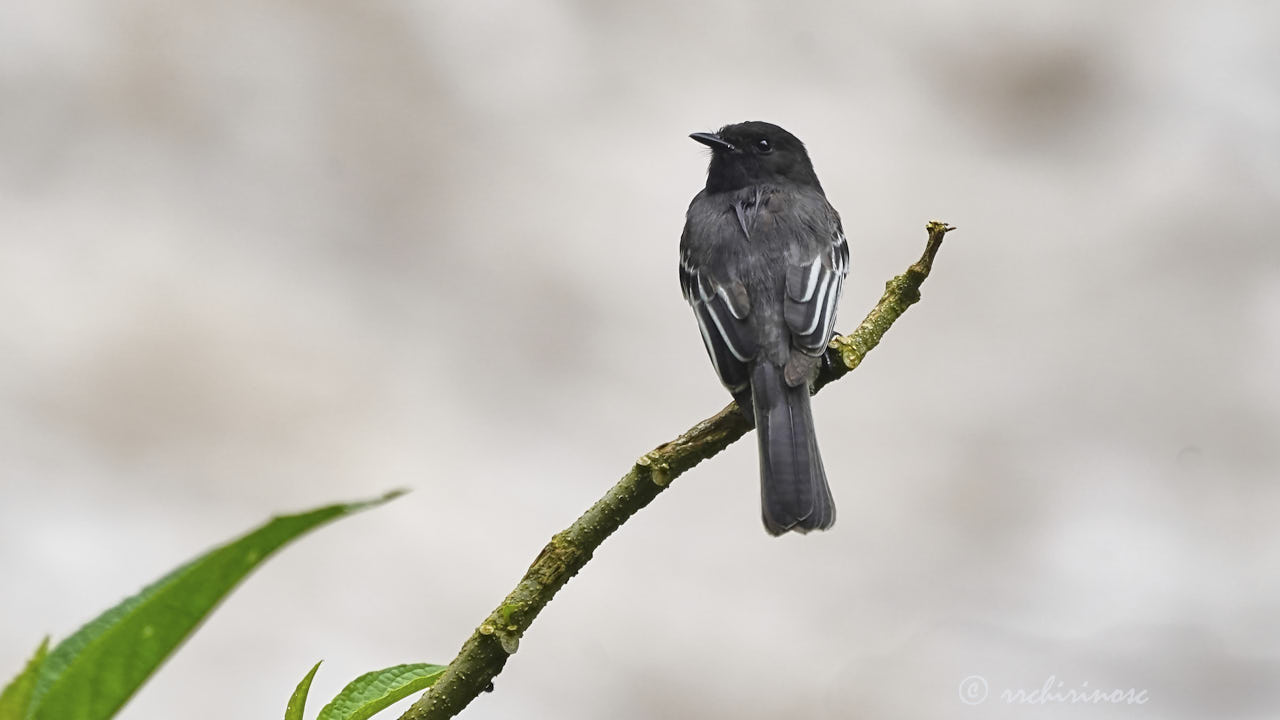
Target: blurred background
262, 256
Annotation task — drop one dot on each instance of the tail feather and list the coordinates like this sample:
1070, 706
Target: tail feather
793, 485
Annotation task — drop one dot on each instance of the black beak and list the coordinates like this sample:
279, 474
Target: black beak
713, 141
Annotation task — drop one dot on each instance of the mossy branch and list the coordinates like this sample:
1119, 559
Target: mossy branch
486, 651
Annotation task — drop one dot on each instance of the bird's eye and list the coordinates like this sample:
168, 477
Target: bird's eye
764, 146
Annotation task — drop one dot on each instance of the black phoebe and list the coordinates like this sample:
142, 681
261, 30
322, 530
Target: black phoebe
762, 259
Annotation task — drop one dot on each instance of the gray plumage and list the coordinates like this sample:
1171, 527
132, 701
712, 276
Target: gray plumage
762, 260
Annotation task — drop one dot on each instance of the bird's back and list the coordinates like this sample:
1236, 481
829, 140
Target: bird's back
753, 236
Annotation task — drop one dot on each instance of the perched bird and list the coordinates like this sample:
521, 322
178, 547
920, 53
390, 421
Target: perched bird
762, 259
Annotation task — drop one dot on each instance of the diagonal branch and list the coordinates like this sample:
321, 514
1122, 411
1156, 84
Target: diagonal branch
486, 651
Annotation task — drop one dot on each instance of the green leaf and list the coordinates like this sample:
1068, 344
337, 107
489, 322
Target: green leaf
17, 695
91, 674
298, 701
372, 692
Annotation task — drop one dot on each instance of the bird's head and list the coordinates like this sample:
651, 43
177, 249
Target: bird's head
755, 153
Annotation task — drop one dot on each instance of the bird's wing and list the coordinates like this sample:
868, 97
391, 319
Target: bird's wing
721, 308
813, 291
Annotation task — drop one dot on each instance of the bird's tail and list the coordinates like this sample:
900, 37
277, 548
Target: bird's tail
793, 486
